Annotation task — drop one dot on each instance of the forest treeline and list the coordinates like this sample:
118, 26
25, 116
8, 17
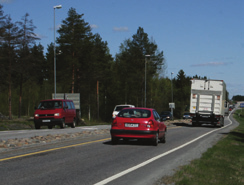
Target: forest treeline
85, 66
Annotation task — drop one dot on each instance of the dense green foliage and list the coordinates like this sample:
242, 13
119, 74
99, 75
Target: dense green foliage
85, 66
238, 98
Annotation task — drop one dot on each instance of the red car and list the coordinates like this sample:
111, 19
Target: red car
139, 123
55, 112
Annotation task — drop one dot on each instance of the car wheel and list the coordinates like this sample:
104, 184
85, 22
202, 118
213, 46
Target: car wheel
114, 140
163, 139
62, 125
37, 126
50, 127
155, 140
73, 124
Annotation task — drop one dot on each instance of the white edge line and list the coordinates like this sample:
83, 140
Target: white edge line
105, 181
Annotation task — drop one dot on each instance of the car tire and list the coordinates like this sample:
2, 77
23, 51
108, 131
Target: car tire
114, 140
163, 139
62, 125
155, 140
73, 124
50, 127
37, 126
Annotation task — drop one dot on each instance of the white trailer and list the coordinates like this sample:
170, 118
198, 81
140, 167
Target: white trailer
208, 102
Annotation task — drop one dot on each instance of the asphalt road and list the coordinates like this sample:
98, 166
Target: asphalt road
96, 161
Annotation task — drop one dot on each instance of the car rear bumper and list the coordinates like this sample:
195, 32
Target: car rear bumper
133, 133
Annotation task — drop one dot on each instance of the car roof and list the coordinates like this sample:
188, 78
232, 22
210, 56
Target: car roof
124, 105
142, 108
56, 100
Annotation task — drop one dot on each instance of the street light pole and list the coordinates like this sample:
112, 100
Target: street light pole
146, 79
172, 95
54, 49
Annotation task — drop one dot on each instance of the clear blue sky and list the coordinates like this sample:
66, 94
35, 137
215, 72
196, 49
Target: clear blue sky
203, 37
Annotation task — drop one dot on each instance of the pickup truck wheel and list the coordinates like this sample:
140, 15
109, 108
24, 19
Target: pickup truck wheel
62, 125
73, 124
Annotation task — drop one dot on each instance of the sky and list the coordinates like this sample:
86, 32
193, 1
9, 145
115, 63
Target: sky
200, 37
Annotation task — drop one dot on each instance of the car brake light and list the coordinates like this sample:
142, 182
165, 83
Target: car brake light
114, 123
150, 124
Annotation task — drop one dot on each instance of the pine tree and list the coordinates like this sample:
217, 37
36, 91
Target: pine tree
27, 39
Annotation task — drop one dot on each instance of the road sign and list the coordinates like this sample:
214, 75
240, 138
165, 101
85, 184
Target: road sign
69, 96
172, 105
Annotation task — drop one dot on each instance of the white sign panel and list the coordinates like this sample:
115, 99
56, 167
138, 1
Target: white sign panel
172, 105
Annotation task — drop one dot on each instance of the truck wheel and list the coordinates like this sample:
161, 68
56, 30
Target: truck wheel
223, 122
73, 124
62, 125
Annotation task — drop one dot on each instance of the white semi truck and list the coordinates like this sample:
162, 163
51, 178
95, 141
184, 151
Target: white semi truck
208, 102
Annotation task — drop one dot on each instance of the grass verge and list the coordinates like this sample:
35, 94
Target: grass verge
223, 164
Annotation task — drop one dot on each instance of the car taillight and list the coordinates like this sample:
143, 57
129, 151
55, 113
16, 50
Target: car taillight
150, 124
114, 123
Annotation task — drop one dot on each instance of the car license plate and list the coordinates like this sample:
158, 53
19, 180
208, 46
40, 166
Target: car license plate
131, 124
46, 120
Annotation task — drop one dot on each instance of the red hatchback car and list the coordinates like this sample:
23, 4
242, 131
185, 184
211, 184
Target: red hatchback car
138, 123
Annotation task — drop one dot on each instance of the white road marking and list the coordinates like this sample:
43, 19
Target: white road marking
105, 181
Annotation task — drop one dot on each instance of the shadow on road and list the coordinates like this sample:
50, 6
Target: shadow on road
137, 142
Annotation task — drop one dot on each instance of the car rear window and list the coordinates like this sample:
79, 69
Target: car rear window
134, 113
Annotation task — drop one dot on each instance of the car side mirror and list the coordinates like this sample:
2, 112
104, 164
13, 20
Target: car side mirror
35, 108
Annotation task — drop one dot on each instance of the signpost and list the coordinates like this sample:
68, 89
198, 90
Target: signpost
172, 106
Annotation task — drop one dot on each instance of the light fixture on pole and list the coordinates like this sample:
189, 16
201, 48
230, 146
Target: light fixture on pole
146, 79
54, 49
172, 94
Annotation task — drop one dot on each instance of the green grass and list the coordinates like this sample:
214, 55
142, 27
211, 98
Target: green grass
223, 164
16, 124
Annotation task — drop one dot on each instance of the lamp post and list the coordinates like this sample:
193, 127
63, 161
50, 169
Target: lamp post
146, 79
172, 94
55, 7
